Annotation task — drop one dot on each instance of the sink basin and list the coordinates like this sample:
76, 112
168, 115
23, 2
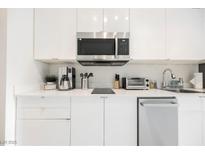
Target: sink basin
182, 90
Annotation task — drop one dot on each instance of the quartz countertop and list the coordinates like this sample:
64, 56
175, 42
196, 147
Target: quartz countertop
118, 92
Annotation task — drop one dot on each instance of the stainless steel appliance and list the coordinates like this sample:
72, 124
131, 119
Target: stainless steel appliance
135, 83
157, 121
103, 48
66, 78
103, 91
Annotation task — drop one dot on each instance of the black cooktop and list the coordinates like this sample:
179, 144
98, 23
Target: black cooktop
102, 91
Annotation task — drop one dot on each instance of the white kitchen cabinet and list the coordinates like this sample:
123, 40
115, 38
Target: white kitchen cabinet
89, 20
43, 132
43, 120
190, 120
87, 120
98, 20
116, 20
148, 33
55, 34
203, 119
121, 121
184, 34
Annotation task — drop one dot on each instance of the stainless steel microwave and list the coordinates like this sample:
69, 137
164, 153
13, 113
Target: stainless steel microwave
103, 48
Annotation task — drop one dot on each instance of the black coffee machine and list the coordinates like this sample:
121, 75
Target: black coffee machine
202, 70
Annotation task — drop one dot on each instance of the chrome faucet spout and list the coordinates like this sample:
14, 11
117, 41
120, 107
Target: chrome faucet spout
163, 79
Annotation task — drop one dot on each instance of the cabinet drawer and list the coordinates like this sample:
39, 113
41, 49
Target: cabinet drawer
40, 107
43, 113
43, 102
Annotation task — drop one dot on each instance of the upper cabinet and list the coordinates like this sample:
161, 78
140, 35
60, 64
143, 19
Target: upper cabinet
147, 29
89, 20
184, 34
155, 34
55, 34
107, 20
116, 20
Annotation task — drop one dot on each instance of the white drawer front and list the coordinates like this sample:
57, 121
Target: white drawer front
36, 107
43, 101
44, 113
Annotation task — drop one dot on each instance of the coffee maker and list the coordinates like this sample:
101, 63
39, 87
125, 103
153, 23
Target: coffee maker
66, 78
202, 70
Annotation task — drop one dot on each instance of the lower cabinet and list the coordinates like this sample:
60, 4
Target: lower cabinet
43, 132
121, 121
203, 120
86, 120
190, 121
103, 120
43, 120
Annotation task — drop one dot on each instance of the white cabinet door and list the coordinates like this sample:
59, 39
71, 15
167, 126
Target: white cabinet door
203, 120
87, 120
184, 34
190, 120
43, 120
43, 132
121, 121
55, 34
147, 29
116, 20
89, 20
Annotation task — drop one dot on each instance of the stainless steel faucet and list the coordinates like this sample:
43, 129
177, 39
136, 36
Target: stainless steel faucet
172, 76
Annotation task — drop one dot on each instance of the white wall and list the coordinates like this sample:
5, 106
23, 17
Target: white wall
2, 73
23, 73
104, 76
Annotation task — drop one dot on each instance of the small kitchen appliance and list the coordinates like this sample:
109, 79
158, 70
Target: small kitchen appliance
103, 48
135, 83
202, 70
66, 78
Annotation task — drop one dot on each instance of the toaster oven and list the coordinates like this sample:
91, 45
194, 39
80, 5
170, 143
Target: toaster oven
135, 83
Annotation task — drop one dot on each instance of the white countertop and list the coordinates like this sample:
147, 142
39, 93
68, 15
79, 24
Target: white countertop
118, 92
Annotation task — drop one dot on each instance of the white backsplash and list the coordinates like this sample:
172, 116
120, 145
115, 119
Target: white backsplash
104, 75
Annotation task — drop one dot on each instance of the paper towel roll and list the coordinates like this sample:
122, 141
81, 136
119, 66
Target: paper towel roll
197, 81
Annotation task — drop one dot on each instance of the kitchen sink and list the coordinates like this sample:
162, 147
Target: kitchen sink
182, 90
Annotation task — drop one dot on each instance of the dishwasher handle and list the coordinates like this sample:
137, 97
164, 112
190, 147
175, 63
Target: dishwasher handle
156, 104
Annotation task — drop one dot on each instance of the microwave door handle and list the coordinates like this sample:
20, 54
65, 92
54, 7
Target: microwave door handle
116, 47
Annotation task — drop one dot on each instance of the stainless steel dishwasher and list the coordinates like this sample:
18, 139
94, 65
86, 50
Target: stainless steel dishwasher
157, 121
